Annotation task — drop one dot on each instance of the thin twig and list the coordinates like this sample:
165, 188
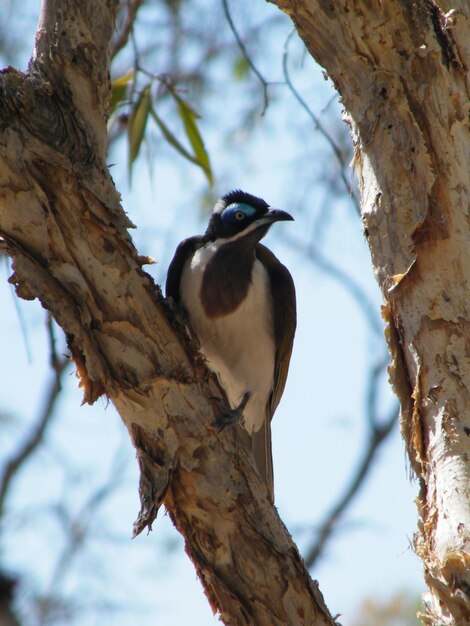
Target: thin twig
379, 435
127, 27
338, 153
378, 430
78, 529
36, 435
361, 298
19, 313
244, 51
54, 358
377, 370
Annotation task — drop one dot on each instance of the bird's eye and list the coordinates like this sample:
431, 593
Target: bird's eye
240, 215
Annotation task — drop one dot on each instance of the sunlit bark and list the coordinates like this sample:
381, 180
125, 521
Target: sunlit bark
402, 70
62, 224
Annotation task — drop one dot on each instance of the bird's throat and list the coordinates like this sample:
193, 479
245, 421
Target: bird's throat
227, 277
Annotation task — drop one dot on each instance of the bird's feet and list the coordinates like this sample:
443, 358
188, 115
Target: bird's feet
232, 417
178, 312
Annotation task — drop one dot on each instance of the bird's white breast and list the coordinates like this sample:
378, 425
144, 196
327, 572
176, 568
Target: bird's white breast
239, 347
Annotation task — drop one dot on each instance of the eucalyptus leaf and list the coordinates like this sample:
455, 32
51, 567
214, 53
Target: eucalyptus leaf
137, 124
119, 88
170, 137
189, 117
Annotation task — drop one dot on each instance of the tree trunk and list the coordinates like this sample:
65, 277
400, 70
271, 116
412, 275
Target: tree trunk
61, 222
402, 70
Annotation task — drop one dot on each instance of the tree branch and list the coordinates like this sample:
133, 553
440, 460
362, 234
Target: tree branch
338, 153
377, 431
246, 55
375, 438
35, 437
63, 226
330, 523
407, 101
127, 26
345, 280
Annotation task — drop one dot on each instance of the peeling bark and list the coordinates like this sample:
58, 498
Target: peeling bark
405, 87
62, 224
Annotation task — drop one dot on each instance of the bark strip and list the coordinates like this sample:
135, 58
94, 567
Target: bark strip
402, 71
62, 224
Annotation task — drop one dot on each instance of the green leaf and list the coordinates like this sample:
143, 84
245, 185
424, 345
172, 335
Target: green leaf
241, 68
119, 88
137, 124
166, 132
188, 117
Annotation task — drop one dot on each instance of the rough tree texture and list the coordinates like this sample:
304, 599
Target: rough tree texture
402, 69
61, 222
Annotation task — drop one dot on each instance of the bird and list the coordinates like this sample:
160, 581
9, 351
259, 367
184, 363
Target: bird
240, 302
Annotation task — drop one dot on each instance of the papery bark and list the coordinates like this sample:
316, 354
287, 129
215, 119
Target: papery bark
62, 224
402, 71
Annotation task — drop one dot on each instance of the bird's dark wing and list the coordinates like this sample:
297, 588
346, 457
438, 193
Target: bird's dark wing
183, 252
285, 320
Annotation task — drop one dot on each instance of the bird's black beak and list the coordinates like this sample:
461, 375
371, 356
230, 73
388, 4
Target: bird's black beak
276, 215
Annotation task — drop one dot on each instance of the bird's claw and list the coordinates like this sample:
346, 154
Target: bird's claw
227, 419
232, 417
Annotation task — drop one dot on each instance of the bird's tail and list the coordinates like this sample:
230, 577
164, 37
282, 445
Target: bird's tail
261, 447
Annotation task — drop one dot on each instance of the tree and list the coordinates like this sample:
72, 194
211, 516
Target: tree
405, 90
118, 329
117, 326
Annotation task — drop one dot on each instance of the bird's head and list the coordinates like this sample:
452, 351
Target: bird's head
239, 213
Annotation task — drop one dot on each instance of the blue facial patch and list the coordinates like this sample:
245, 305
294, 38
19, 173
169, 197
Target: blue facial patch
231, 214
